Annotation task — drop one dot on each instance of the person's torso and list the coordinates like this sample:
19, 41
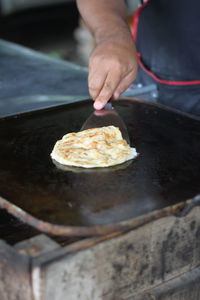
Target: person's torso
168, 38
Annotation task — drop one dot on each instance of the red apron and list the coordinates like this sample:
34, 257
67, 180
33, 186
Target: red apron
167, 35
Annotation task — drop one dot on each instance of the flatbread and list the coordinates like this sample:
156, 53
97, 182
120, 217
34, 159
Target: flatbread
93, 148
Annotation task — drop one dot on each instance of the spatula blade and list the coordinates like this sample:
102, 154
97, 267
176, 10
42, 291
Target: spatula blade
106, 117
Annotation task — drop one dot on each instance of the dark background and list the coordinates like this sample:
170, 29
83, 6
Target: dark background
49, 29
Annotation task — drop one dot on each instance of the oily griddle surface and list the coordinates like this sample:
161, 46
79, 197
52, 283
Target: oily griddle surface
166, 171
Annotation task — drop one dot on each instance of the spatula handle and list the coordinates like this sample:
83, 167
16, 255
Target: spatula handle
108, 106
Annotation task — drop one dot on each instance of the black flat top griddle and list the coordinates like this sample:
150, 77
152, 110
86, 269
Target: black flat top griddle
167, 170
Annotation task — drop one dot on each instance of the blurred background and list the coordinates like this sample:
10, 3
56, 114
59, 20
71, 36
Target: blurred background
53, 27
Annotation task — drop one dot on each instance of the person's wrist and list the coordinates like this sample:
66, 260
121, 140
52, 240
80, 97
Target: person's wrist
113, 30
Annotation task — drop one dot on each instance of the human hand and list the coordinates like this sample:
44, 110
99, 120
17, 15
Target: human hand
112, 68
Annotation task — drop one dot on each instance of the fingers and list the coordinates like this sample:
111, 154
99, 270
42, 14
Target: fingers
113, 86
112, 68
124, 84
104, 78
96, 81
111, 82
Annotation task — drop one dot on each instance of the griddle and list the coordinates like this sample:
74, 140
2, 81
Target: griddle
74, 201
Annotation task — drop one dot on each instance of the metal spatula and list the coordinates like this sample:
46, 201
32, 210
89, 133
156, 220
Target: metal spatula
106, 117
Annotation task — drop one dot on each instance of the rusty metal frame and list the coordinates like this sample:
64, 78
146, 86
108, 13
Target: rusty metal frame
179, 209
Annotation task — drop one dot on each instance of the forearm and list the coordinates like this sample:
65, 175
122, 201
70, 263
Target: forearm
113, 62
104, 18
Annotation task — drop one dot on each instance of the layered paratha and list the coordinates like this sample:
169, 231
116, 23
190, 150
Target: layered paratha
93, 148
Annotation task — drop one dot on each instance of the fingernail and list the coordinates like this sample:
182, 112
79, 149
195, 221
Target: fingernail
98, 105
